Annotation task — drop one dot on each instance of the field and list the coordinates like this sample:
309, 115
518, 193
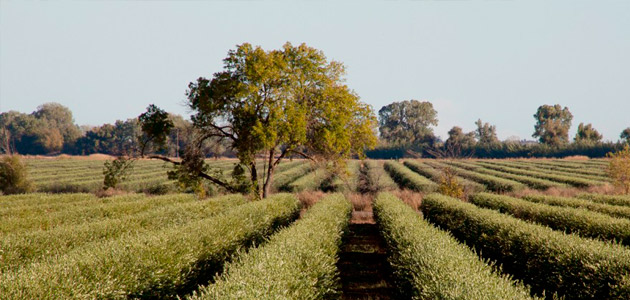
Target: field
380, 230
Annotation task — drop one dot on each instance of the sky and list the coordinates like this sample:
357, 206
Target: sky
494, 60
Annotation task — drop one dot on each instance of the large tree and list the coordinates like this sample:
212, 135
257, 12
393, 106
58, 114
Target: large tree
625, 135
486, 134
587, 134
552, 124
407, 122
271, 104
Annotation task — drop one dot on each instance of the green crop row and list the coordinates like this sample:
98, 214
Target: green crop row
311, 181
611, 210
570, 220
98, 209
547, 260
162, 264
607, 199
538, 168
282, 180
572, 180
299, 262
436, 176
409, 179
536, 183
378, 177
23, 248
430, 264
493, 183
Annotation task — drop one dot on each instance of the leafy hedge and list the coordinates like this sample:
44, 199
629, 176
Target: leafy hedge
160, 264
21, 249
407, 178
297, 263
431, 264
493, 183
436, 175
611, 210
570, 220
572, 180
547, 260
607, 199
533, 182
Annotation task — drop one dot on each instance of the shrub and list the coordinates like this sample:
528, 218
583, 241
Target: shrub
116, 171
619, 169
547, 260
297, 263
407, 178
14, 176
158, 265
570, 220
430, 264
611, 210
607, 199
493, 183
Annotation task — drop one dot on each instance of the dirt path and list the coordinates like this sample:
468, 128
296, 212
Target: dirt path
363, 266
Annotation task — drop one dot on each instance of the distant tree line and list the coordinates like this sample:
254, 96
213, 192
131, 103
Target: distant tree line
406, 130
51, 130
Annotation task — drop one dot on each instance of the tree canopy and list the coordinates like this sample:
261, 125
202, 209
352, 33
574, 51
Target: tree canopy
274, 104
552, 124
486, 134
625, 135
407, 122
587, 134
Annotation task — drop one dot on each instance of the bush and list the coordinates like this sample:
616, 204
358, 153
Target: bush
607, 199
158, 265
547, 260
116, 171
297, 263
493, 183
611, 210
14, 176
430, 264
570, 220
407, 178
619, 169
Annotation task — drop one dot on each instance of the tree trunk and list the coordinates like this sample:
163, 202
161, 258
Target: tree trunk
269, 180
254, 177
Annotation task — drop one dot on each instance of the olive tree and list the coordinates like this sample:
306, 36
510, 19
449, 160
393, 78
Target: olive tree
552, 124
271, 105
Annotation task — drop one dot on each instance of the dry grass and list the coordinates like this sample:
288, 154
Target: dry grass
308, 199
109, 192
361, 208
411, 198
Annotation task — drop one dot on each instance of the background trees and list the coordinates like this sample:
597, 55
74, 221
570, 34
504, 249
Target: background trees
552, 124
587, 134
407, 122
273, 104
486, 134
625, 135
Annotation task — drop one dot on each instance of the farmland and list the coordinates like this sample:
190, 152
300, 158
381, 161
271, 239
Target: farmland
553, 226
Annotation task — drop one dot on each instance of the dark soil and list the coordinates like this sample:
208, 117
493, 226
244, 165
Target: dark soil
363, 266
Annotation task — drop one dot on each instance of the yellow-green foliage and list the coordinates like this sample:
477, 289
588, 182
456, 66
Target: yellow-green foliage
297, 263
14, 176
545, 259
409, 179
619, 169
571, 220
493, 183
430, 264
158, 264
607, 199
611, 210
21, 248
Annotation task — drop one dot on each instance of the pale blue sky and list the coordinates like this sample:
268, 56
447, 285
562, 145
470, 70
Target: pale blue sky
494, 60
